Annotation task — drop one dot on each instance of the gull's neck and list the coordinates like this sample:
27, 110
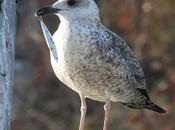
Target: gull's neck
69, 21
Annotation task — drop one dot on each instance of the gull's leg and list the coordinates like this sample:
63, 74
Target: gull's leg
107, 108
83, 112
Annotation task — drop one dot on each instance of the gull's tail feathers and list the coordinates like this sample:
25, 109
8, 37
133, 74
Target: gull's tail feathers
155, 108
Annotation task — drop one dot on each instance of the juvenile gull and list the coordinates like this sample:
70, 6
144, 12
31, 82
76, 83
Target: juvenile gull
94, 61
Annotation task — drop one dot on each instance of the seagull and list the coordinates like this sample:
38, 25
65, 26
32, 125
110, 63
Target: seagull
94, 61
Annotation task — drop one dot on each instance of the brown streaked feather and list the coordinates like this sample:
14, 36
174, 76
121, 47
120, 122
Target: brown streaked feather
113, 41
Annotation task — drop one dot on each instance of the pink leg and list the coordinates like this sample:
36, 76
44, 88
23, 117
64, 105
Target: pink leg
107, 108
83, 112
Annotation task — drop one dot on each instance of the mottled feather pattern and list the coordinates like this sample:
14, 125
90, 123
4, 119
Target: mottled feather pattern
123, 50
98, 64
94, 62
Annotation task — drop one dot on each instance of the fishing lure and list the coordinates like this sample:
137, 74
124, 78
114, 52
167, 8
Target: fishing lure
48, 37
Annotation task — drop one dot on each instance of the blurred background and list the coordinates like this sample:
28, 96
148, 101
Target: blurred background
41, 102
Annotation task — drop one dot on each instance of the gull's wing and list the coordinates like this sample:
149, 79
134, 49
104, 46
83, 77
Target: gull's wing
128, 66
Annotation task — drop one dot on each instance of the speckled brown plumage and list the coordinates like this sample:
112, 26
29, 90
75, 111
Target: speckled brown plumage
95, 62
101, 65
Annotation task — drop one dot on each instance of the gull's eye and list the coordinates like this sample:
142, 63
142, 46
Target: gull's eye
71, 2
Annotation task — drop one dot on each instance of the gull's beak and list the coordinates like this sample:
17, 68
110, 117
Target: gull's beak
46, 11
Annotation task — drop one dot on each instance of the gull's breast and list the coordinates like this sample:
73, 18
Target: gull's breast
80, 65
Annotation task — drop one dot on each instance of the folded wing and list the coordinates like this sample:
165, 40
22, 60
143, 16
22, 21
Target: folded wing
129, 65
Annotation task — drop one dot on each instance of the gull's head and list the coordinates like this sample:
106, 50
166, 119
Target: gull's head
71, 9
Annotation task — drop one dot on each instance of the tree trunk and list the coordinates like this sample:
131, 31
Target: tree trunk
7, 37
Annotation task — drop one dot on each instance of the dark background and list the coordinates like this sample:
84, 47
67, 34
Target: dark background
41, 102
